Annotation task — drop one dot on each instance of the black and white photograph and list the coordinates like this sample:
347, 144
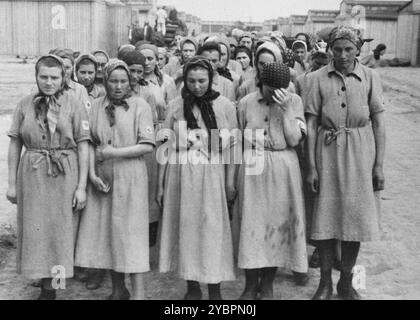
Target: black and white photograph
186, 150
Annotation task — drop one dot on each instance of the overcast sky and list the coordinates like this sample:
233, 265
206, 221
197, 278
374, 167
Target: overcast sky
256, 10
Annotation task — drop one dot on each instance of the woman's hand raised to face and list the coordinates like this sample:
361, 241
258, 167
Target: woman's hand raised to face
283, 98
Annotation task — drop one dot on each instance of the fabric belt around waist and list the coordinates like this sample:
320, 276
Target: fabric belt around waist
54, 159
332, 133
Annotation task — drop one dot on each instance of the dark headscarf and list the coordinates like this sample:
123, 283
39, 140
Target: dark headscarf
275, 75
203, 103
124, 49
112, 65
135, 57
224, 71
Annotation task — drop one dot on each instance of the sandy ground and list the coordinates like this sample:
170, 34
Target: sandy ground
391, 264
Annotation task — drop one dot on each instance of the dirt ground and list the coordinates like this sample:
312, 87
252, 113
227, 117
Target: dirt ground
391, 264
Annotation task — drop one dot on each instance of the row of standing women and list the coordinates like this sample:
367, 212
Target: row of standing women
90, 190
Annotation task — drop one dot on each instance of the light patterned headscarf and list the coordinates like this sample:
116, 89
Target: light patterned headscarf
115, 64
88, 56
347, 33
112, 65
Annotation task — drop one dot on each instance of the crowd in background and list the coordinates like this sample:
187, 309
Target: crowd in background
92, 196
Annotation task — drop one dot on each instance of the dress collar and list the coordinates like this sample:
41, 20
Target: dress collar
357, 71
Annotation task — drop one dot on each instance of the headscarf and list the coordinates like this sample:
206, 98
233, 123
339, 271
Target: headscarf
278, 36
275, 75
308, 41
124, 49
271, 47
63, 54
112, 65
237, 33
148, 46
47, 104
162, 50
347, 33
320, 55
152, 47
232, 41
87, 57
224, 70
302, 43
101, 52
203, 103
91, 58
245, 35
135, 57
188, 39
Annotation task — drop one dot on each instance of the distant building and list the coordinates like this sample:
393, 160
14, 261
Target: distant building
33, 27
142, 11
285, 27
408, 30
271, 25
193, 24
376, 19
209, 27
297, 24
319, 19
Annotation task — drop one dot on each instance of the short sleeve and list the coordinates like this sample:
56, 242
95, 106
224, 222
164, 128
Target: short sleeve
14, 131
376, 103
81, 125
313, 99
145, 131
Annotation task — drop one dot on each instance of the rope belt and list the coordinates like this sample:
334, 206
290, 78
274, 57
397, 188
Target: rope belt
332, 134
54, 159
